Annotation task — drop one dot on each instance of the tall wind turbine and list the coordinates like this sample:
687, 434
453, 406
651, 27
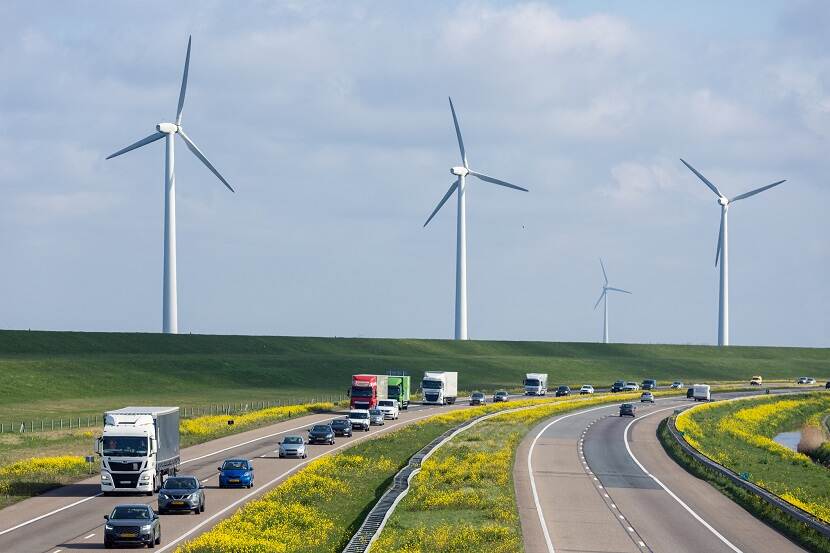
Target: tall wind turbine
170, 322
604, 296
460, 185
721, 253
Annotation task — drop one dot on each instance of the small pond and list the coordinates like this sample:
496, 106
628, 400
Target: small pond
789, 439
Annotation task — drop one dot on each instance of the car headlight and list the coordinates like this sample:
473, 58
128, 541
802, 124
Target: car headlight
163, 496
247, 474
147, 528
108, 527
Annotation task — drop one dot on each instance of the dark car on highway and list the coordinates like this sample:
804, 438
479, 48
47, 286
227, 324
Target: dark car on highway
827, 385
563, 391
182, 493
618, 386
627, 409
649, 384
690, 393
132, 525
321, 434
501, 395
477, 398
342, 427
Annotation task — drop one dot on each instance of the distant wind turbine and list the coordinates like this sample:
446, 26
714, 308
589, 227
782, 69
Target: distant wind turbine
604, 296
170, 324
722, 251
461, 238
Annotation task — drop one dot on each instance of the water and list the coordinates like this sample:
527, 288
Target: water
789, 439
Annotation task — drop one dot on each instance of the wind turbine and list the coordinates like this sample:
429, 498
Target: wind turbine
460, 185
721, 253
604, 296
170, 324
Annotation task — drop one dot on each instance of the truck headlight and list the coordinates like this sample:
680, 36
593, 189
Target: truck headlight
145, 476
105, 476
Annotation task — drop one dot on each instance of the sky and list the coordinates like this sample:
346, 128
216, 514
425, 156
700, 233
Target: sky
331, 121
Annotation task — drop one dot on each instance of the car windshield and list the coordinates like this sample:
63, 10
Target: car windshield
630, 383
563, 388
361, 392
181, 484
340, 422
531, 382
292, 440
432, 384
478, 394
320, 428
386, 403
235, 465
501, 393
586, 385
358, 415
375, 412
626, 406
127, 512
125, 446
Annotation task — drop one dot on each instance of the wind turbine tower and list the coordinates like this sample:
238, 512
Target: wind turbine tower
168, 131
604, 298
460, 185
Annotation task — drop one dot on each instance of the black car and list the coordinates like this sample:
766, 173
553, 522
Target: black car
501, 395
627, 410
563, 391
690, 393
827, 385
477, 398
649, 384
618, 386
181, 493
132, 524
321, 434
342, 427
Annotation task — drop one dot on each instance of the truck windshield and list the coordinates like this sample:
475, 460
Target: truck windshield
361, 392
394, 391
432, 385
125, 446
531, 382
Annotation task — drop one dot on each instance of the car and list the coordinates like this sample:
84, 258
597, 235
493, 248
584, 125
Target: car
809, 380
501, 395
181, 493
676, 385
690, 393
756, 381
801, 380
321, 434
618, 386
477, 398
631, 387
376, 417
132, 524
342, 427
563, 391
389, 407
236, 473
586, 389
647, 397
827, 386
649, 384
292, 446
627, 410
359, 418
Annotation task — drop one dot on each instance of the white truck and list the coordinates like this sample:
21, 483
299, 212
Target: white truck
536, 384
700, 392
139, 447
440, 387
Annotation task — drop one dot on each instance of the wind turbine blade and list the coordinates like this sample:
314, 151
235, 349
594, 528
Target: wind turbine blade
618, 290
720, 239
497, 181
446, 197
600, 298
756, 191
603, 271
704, 179
458, 134
184, 83
152, 138
196, 152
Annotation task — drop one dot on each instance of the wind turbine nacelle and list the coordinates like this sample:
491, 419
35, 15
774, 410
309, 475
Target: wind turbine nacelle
168, 128
459, 171
723, 201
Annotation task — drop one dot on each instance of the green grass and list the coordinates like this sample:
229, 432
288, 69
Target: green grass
771, 515
53, 374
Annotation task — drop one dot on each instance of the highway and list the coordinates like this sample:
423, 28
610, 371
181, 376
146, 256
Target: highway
594, 481
71, 518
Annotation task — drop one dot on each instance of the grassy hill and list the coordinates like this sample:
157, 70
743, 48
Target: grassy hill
46, 374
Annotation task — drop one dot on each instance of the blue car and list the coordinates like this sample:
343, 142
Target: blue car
236, 473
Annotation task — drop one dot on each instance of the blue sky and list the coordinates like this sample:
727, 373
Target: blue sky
331, 121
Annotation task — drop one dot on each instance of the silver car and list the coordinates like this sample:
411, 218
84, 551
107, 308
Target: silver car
292, 446
181, 493
376, 417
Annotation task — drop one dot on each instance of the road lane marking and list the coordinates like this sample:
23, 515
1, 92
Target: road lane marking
667, 490
89, 536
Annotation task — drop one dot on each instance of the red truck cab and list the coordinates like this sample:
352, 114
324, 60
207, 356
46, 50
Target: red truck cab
364, 391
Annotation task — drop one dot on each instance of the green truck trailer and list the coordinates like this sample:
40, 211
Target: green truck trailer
398, 388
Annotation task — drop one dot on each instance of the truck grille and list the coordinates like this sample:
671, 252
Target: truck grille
125, 480
431, 397
128, 467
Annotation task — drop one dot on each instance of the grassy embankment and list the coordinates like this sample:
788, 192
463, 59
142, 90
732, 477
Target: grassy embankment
738, 435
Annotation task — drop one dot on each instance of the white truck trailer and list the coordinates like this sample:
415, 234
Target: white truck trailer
536, 384
700, 392
440, 387
138, 448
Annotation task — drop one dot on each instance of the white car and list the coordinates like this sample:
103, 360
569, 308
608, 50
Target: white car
389, 407
586, 389
292, 446
359, 419
676, 385
631, 387
809, 380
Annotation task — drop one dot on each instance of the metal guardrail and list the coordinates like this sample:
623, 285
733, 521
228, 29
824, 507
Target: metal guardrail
791, 510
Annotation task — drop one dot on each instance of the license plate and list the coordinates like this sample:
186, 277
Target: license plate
129, 535
178, 503
234, 480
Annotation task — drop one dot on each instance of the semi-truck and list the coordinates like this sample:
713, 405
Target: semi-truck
139, 447
536, 384
367, 389
398, 388
440, 387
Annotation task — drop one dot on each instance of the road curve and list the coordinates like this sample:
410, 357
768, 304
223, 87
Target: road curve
601, 488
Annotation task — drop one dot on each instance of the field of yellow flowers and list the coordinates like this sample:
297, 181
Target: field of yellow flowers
739, 435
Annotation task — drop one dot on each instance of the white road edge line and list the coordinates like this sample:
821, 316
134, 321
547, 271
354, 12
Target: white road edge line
667, 490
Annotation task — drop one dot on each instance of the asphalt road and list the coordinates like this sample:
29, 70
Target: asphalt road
72, 516
604, 484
